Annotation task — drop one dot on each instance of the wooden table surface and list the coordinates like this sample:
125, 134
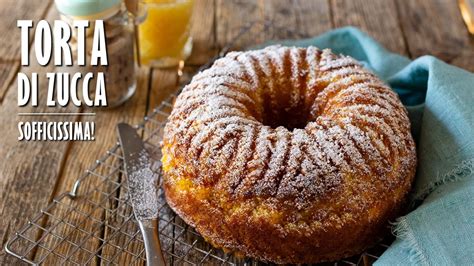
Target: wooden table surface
33, 173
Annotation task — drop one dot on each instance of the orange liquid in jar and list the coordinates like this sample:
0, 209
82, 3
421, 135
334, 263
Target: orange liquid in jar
165, 31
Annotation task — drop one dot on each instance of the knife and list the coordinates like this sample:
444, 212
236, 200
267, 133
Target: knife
142, 190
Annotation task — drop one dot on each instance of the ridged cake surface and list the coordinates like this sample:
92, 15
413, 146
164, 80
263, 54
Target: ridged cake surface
288, 155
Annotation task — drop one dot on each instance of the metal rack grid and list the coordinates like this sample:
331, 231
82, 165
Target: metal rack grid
94, 222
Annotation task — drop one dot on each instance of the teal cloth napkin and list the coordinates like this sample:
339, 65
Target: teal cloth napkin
439, 230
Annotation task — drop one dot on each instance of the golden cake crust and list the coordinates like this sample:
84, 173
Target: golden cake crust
288, 155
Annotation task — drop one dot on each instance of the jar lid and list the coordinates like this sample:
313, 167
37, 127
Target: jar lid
88, 9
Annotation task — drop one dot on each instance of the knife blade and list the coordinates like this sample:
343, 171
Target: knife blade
142, 190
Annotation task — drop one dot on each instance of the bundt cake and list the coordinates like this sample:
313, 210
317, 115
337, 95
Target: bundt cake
288, 155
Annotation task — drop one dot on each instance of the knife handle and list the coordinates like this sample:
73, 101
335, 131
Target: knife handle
154, 255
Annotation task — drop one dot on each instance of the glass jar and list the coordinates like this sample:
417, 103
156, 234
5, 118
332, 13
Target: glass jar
165, 34
120, 72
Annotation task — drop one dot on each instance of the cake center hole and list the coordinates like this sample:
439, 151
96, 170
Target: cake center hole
281, 110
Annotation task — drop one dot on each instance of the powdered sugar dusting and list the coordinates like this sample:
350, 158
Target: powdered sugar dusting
143, 188
354, 125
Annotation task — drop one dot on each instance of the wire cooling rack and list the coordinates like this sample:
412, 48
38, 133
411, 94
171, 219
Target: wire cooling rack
94, 223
